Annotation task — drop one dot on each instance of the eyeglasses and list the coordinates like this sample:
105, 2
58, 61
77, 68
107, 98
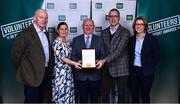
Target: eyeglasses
113, 16
139, 24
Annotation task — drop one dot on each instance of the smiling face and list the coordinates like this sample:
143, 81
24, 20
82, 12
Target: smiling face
114, 18
63, 31
40, 18
139, 27
88, 26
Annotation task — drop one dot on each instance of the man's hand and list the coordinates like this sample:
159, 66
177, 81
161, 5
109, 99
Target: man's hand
100, 63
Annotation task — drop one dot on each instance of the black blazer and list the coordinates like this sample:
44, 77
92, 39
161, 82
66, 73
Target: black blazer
149, 53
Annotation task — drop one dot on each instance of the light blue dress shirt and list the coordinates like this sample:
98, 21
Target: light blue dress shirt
44, 42
138, 48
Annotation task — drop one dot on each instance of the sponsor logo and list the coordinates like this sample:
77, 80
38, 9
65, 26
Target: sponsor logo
129, 17
98, 5
61, 17
50, 5
164, 26
10, 30
119, 5
73, 29
51, 30
98, 29
83, 17
106, 17
73, 5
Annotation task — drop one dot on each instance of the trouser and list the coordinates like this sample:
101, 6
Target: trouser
140, 85
88, 91
41, 93
108, 85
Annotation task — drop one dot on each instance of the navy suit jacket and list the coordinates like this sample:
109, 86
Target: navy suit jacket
79, 44
149, 53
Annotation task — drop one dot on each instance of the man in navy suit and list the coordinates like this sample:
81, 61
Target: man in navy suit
144, 57
88, 80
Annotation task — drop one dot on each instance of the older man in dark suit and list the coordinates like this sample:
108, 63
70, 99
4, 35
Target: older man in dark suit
31, 55
88, 80
115, 38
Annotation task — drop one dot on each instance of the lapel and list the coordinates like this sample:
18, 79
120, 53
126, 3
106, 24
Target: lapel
36, 38
133, 43
106, 37
83, 41
145, 42
93, 41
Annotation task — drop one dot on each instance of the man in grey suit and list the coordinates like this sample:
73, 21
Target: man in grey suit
31, 55
88, 80
115, 38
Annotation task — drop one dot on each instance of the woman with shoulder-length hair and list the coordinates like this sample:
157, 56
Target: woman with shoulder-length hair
144, 57
62, 81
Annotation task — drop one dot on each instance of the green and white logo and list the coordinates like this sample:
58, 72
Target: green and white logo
10, 30
61, 17
98, 5
98, 29
163, 26
106, 17
119, 5
73, 29
83, 17
51, 30
129, 17
50, 5
73, 5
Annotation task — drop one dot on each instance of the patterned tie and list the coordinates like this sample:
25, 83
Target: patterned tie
88, 42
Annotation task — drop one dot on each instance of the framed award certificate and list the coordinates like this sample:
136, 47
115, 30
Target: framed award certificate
88, 58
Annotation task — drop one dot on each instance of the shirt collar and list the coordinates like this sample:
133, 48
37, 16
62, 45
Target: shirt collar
115, 28
85, 35
37, 29
142, 37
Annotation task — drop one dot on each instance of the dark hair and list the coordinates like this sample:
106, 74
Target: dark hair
60, 24
144, 20
114, 9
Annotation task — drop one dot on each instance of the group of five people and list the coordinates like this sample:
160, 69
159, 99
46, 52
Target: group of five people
122, 62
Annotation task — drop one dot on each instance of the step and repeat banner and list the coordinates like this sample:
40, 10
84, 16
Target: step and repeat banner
75, 11
164, 22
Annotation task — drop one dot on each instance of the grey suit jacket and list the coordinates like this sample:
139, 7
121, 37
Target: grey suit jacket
79, 44
29, 58
117, 51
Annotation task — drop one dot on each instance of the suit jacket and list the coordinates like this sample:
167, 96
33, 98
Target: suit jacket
79, 44
117, 51
29, 58
149, 53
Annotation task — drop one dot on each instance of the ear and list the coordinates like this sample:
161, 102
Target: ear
34, 18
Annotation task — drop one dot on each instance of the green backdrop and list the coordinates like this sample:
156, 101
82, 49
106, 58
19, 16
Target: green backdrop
12, 11
166, 85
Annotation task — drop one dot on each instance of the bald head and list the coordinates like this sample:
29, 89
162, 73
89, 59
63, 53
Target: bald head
88, 26
40, 18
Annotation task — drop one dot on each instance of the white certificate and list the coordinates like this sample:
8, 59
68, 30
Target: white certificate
88, 58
